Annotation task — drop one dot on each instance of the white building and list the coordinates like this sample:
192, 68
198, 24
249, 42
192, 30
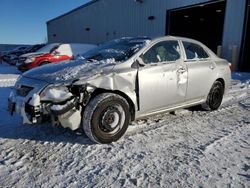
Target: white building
213, 22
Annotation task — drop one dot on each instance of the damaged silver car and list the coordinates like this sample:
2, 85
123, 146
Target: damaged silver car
121, 81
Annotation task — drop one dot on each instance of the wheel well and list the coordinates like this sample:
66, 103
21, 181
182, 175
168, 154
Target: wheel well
43, 63
130, 102
221, 81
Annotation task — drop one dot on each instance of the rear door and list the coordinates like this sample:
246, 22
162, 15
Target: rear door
163, 79
201, 71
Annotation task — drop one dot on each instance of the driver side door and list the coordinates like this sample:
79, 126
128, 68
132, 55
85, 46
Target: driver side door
163, 79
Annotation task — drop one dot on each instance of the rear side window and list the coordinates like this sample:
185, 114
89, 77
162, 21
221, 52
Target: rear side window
162, 52
194, 51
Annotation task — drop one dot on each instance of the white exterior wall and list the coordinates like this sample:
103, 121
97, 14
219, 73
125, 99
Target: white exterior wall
130, 18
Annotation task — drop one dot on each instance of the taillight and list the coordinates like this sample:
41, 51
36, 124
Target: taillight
230, 66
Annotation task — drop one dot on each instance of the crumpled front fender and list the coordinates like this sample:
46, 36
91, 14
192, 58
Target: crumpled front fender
122, 81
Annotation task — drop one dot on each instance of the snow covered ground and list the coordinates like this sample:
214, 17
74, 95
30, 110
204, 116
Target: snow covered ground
188, 149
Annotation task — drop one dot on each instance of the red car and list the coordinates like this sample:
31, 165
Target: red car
52, 53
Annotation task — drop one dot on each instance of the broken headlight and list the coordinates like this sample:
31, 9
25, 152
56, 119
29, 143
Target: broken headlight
56, 94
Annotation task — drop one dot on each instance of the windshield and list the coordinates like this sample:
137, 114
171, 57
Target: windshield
28, 48
120, 49
47, 48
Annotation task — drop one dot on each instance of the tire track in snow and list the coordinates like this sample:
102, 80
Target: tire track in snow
218, 135
73, 169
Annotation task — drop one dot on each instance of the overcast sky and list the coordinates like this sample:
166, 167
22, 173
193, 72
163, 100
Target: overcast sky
24, 21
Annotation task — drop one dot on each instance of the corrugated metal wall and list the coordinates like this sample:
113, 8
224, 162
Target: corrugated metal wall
108, 19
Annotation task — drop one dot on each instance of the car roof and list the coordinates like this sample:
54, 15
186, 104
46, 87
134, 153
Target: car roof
170, 37
156, 38
174, 38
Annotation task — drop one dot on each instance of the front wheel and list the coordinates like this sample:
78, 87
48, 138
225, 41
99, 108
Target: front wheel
106, 118
215, 96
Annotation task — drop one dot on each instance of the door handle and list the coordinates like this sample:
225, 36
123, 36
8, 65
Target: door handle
181, 70
212, 67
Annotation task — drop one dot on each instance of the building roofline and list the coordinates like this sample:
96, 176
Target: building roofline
67, 13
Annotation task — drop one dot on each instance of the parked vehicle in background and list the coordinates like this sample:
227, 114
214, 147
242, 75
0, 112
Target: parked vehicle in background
52, 53
35, 47
8, 54
120, 81
13, 58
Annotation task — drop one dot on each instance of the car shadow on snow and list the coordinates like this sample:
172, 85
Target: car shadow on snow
8, 69
11, 127
43, 133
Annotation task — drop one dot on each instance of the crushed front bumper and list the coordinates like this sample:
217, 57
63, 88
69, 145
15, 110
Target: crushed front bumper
21, 95
29, 100
67, 114
18, 106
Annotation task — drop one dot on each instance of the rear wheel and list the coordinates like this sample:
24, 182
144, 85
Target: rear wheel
215, 97
106, 118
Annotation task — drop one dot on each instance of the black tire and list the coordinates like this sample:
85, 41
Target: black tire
106, 118
214, 97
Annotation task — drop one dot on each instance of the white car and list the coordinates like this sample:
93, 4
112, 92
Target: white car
120, 81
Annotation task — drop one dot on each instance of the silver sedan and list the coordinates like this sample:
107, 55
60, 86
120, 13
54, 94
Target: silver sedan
121, 81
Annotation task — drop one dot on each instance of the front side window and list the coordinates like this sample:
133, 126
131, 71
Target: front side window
194, 51
166, 51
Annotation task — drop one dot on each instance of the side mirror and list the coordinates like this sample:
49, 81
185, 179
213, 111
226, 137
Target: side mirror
138, 63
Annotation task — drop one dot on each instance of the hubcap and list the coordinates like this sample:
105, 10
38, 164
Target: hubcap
111, 119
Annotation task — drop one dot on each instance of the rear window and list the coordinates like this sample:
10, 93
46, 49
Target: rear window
194, 51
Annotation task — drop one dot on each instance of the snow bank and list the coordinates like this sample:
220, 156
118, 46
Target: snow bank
242, 76
7, 80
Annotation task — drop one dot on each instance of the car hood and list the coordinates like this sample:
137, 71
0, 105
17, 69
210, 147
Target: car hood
68, 71
32, 54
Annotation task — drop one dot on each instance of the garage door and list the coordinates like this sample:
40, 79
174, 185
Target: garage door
203, 22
